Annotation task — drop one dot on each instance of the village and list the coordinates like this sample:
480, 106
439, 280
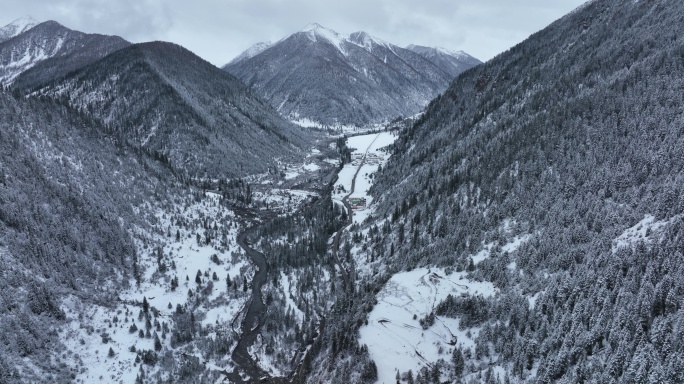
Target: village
371, 159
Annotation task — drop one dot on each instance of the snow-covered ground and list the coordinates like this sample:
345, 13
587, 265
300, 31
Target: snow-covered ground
283, 201
370, 147
94, 329
509, 247
342, 129
645, 231
396, 340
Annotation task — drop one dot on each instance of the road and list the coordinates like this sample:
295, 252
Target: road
346, 280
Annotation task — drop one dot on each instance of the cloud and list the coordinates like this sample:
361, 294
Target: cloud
218, 30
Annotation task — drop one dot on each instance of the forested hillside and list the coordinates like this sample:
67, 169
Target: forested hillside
68, 196
161, 223
555, 172
167, 101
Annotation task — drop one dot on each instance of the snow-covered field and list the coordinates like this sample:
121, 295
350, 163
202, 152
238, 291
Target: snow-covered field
370, 147
396, 340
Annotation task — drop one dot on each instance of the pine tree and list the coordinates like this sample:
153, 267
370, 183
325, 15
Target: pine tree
458, 361
157, 342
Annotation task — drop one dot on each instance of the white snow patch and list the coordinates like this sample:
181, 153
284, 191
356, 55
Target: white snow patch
396, 341
483, 254
315, 31
509, 247
514, 244
311, 167
641, 231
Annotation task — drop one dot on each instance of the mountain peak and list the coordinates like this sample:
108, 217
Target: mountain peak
25, 21
454, 62
312, 27
366, 40
251, 52
17, 27
354, 79
314, 31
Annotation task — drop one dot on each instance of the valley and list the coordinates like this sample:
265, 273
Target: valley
215, 274
248, 367
335, 208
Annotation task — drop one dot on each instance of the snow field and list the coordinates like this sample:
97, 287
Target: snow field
362, 145
84, 335
83, 338
396, 340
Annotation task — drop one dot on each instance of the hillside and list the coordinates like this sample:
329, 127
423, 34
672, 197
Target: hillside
554, 172
332, 79
46, 51
171, 103
64, 229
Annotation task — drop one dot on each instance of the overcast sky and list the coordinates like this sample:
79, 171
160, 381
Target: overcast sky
219, 30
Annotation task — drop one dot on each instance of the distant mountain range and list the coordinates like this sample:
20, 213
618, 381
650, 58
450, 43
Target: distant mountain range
320, 75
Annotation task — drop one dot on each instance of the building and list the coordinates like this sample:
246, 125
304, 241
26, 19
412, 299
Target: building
357, 202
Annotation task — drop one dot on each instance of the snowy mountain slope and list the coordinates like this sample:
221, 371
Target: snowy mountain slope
67, 199
49, 50
166, 100
553, 172
16, 27
250, 52
335, 79
112, 267
451, 62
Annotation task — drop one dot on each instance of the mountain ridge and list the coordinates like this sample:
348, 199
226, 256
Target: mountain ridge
50, 50
17, 27
185, 102
336, 79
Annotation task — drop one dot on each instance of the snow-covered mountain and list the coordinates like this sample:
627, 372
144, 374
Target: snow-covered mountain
49, 50
453, 62
165, 99
17, 27
336, 79
553, 172
250, 52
